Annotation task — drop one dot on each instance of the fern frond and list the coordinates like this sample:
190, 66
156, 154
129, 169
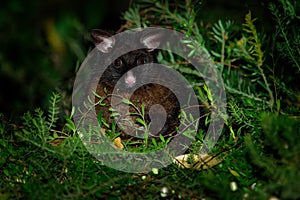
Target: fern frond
255, 50
254, 40
221, 35
132, 16
53, 110
40, 124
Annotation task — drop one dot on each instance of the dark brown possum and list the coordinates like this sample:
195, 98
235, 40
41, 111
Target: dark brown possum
148, 95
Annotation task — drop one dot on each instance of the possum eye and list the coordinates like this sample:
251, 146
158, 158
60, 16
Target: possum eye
118, 62
141, 61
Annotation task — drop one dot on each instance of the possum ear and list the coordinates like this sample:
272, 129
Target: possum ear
103, 40
151, 39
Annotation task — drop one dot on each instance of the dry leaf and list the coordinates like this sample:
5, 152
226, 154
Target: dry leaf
102, 130
118, 143
202, 161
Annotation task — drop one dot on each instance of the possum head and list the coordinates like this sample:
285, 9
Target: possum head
106, 42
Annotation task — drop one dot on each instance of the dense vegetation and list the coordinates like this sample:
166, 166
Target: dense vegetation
42, 157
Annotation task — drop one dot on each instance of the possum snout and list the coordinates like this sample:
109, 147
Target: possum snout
130, 79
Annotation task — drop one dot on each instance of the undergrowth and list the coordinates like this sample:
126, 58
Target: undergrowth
44, 158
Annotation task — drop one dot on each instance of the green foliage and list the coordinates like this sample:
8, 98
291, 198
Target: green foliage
279, 163
248, 63
139, 124
37, 165
285, 14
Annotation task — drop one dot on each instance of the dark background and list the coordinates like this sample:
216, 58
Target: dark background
42, 43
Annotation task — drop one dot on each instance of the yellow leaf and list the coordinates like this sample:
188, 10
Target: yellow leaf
118, 143
234, 173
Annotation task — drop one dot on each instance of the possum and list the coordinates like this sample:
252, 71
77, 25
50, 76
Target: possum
144, 97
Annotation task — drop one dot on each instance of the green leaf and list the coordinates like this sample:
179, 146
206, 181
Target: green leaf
162, 138
127, 101
139, 120
72, 112
143, 110
70, 124
154, 142
189, 134
191, 53
99, 117
115, 114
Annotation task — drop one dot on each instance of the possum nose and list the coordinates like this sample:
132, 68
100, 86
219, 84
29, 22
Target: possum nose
130, 79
